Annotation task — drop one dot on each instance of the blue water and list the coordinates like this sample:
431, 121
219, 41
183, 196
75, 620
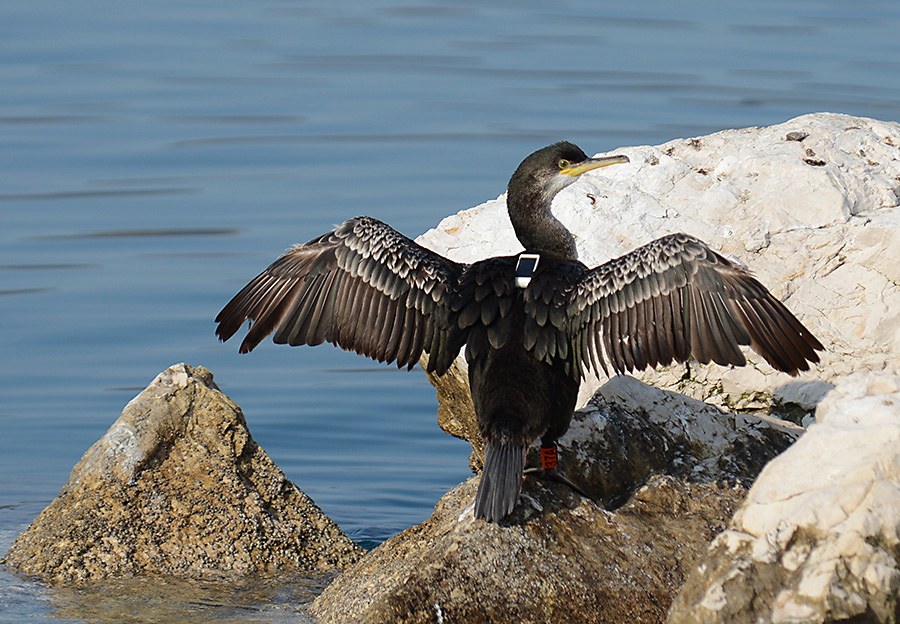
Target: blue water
155, 156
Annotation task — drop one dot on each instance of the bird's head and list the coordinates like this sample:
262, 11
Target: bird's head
534, 185
550, 169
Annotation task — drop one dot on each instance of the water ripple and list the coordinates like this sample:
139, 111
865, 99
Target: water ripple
141, 233
96, 193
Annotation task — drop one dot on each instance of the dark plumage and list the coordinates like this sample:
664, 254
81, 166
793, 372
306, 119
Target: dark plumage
367, 288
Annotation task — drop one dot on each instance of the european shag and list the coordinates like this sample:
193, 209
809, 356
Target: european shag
531, 327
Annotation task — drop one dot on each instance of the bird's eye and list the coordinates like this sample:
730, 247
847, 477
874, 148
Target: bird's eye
563, 163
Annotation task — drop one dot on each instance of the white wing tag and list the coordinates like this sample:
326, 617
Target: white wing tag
525, 268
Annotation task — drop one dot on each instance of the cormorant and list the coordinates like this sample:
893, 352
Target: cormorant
530, 331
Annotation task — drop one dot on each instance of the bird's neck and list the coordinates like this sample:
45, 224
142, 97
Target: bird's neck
536, 227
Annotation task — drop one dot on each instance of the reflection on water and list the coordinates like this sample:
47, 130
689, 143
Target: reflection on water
173, 601
94, 194
44, 267
268, 601
143, 233
157, 156
24, 291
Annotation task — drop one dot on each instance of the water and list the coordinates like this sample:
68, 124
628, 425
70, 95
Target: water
156, 156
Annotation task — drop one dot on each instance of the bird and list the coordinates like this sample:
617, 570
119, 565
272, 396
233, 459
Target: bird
533, 324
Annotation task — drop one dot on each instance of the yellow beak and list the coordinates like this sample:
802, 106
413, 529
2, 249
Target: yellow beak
593, 163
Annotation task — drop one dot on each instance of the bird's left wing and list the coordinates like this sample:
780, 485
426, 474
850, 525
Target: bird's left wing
364, 287
676, 298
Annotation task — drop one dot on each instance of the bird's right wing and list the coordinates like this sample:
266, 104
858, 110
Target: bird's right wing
676, 298
364, 287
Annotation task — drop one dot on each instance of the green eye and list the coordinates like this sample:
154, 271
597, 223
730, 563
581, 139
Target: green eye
564, 164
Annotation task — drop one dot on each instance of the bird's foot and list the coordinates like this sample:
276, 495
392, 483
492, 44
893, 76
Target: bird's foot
552, 474
549, 470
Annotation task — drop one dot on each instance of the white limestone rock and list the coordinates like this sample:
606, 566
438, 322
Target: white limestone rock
816, 220
812, 208
817, 538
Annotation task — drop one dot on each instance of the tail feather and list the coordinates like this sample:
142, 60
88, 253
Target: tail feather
501, 480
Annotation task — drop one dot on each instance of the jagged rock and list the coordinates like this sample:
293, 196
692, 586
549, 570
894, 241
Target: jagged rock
178, 487
557, 558
456, 412
630, 431
671, 467
816, 219
817, 539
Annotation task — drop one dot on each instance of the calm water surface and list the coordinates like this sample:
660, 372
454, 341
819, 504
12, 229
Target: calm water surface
156, 156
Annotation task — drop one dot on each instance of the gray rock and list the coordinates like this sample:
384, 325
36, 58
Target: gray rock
670, 467
177, 486
557, 558
631, 431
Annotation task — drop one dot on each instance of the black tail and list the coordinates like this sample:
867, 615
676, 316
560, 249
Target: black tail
501, 480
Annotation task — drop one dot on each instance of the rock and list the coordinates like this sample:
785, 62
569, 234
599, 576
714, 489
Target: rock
811, 207
816, 220
558, 558
817, 538
671, 467
456, 412
178, 487
630, 431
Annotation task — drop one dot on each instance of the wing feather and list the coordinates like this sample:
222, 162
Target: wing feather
364, 287
673, 299
701, 348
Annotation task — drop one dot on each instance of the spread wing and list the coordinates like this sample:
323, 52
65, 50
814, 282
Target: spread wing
675, 298
364, 287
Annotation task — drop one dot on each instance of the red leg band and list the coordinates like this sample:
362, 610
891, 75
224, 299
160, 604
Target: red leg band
549, 459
